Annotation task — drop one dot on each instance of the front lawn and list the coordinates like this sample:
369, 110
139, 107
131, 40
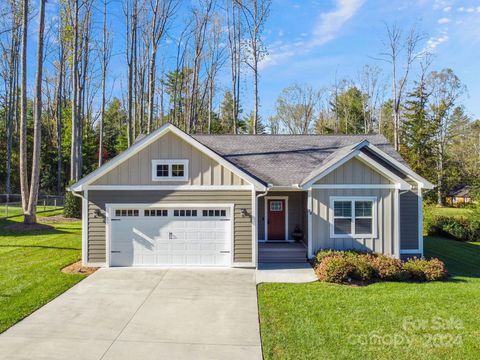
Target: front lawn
449, 211
30, 264
390, 320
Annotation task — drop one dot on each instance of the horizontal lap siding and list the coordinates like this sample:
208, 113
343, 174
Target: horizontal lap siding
137, 170
240, 199
321, 225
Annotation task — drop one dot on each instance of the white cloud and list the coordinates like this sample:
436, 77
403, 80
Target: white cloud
470, 10
447, 9
444, 21
434, 42
327, 28
330, 23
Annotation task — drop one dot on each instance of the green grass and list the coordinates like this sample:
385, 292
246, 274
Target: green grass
16, 210
449, 211
327, 321
30, 264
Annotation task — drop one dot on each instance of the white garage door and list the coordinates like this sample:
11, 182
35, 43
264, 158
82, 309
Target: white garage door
170, 236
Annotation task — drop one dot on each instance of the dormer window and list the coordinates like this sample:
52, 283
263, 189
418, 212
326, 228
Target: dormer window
169, 170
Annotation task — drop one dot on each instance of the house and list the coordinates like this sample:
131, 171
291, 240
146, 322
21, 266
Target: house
459, 196
235, 200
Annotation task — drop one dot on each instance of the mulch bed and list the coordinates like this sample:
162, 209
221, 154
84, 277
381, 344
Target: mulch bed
26, 227
77, 268
56, 219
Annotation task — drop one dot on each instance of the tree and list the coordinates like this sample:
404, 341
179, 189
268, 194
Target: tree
418, 135
162, 11
349, 111
445, 88
296, 108
401, 52
23, 111
106, 52
255, 13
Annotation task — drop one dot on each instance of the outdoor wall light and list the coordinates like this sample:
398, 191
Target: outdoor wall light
243, 211
97, 213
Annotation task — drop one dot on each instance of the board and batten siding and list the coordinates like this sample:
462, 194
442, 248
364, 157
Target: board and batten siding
355, 172
137, 170
383, 243
242, 224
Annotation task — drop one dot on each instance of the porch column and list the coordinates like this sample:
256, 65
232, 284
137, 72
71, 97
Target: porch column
310, 223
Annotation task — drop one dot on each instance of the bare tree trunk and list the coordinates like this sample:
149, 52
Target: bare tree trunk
30, 214
104, 75
59, 118
23, 111
74, 130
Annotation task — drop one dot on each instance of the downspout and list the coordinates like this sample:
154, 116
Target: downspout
269, 186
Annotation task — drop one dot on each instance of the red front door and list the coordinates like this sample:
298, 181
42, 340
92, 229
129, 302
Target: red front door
276, 219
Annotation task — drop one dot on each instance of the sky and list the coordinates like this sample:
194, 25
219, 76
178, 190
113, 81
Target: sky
315, 41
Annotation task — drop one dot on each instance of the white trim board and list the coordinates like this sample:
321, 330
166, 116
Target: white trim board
172, 187
285, 198
146, 141
355, 186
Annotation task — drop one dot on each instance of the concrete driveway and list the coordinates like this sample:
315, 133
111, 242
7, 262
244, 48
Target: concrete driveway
144, 314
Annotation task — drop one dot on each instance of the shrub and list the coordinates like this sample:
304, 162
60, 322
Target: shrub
465, 229
72, 206
335, 269
363, 269
322, 254
425, 270
388, 268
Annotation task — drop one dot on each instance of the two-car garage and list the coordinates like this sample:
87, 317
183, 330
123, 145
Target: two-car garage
169, 235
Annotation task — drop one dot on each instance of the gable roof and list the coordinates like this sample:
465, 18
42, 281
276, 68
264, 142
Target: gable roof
276, 160
284, 160
149, 139
460, 191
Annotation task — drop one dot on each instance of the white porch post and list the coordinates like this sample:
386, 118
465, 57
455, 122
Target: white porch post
396, 223
254, 229
310, 223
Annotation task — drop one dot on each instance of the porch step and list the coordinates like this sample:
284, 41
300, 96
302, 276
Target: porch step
282, 252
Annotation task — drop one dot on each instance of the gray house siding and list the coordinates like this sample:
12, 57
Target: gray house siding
297, 212
355, 172
96, 241
384, 242
137, 170
409, 220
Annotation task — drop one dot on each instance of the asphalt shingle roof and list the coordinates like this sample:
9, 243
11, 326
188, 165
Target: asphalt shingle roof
283, 160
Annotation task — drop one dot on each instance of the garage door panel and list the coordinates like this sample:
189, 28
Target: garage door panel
150, 241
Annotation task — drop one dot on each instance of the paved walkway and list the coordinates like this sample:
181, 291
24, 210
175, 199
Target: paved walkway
285, 273
144, 314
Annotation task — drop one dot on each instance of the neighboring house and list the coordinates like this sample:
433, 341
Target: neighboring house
214, 200
459, 196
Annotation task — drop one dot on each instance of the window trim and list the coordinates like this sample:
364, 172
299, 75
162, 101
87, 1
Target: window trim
170, 163
352, 200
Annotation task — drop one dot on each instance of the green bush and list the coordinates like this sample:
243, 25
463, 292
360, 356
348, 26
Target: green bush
72, 206
389, 268
345, 266
459, 228
334, 269
425, 270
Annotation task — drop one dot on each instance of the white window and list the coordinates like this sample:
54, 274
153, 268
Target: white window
169, 170
353, 217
